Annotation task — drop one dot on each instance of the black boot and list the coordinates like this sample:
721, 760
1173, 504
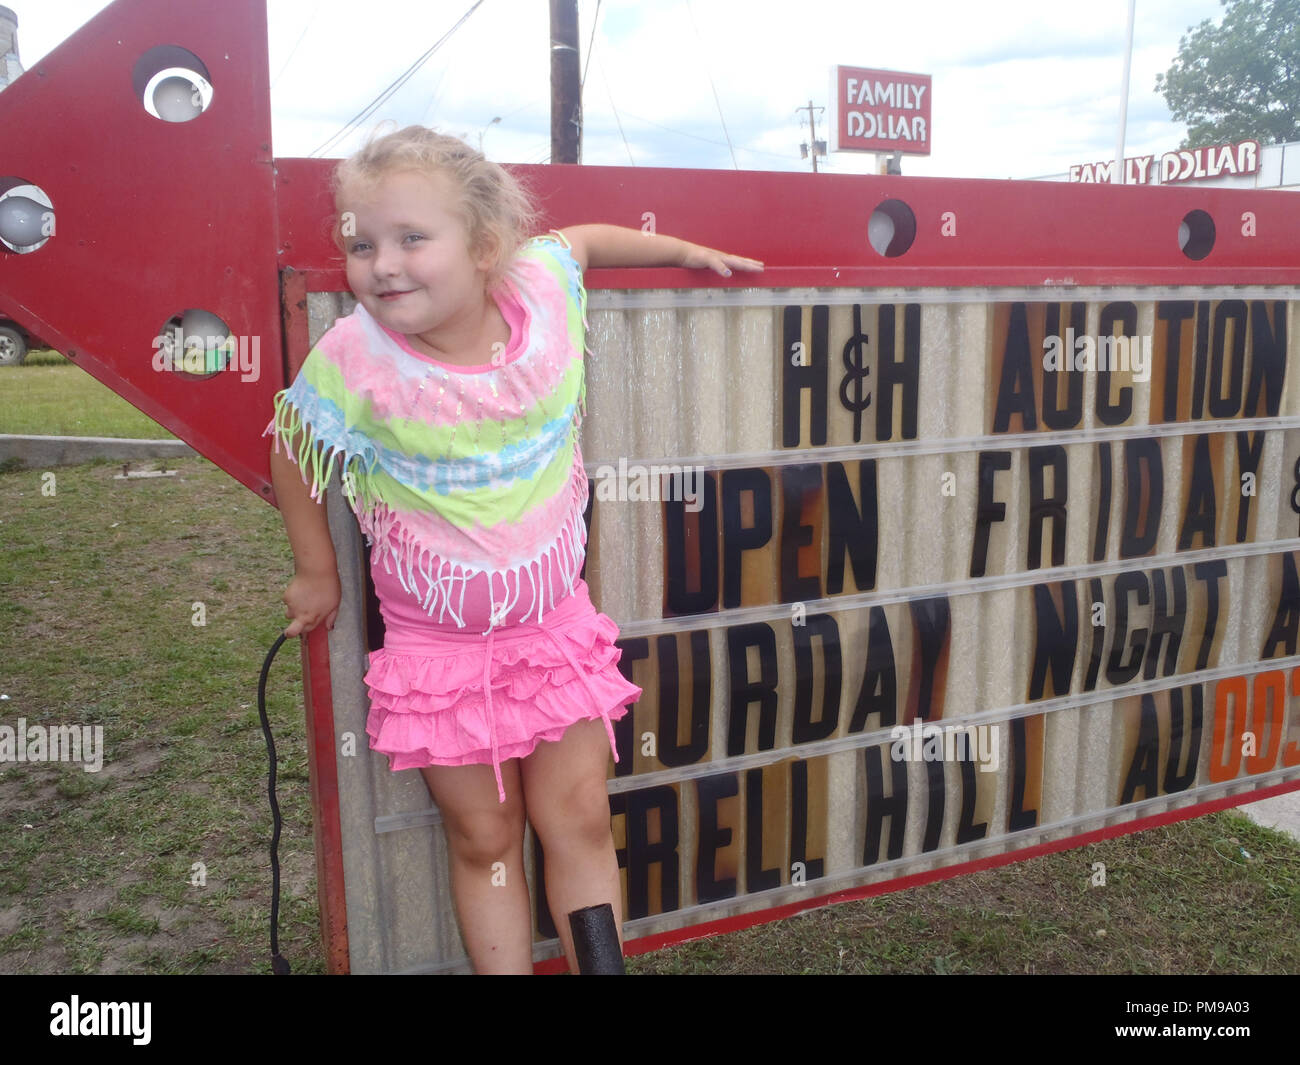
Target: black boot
595, 941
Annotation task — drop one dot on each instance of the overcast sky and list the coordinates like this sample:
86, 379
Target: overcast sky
1022, 88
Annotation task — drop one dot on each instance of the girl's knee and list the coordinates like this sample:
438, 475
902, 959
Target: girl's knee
483, 837
580, 815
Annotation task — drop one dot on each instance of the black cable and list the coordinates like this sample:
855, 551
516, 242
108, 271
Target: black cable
279, 966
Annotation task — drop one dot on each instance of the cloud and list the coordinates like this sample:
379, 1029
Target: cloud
1021, 88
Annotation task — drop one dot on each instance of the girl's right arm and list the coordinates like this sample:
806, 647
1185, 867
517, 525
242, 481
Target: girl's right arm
604, 245
314, 593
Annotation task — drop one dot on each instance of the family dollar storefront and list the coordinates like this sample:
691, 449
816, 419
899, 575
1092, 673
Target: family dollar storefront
1245, 164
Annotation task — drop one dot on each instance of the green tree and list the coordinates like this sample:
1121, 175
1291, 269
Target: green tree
1241, 79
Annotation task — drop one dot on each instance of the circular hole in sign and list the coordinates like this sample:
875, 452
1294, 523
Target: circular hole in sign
891, 228
1196, 235
26, 216
172, 83
195, 343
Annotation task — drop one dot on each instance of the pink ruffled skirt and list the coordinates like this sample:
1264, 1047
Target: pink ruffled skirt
442, 695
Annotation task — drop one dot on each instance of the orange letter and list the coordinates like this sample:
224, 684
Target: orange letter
1235, 687
1272, 683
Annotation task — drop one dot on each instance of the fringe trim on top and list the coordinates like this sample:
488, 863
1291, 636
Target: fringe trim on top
445, 587
356, 466
383, 527
586, 328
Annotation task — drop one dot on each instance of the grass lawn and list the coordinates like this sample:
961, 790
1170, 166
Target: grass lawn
100, 584
95, 868
50, 396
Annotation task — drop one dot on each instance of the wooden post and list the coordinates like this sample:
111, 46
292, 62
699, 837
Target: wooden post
566, 91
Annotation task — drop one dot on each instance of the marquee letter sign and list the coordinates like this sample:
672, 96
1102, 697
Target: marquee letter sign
942, 579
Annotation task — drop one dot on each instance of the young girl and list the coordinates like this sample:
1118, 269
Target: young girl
452, 397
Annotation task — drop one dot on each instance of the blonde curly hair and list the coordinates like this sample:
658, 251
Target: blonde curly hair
495, 207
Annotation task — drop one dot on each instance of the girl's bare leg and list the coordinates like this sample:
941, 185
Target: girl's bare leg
568, 807
491, 900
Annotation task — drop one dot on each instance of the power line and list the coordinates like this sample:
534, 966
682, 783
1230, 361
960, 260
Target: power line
294, 50
706, 140
433, 97
542, 155
590, 42
613, 107
709, 74
582, 81
521, 107
402, 79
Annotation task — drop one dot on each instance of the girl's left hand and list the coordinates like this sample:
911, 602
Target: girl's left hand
699, 257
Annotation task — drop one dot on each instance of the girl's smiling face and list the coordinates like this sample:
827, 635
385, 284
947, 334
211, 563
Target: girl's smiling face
409, 260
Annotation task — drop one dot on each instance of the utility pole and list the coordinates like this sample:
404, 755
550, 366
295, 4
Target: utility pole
10, 65
1118, 176
812, 128
566, 91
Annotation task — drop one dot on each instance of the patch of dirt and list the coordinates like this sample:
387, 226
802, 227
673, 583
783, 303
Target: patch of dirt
85, 902
297, 875
135, 764
10, 919
44, 960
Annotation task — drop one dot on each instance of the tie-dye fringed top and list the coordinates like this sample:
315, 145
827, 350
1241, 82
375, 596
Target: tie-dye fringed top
458, 471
